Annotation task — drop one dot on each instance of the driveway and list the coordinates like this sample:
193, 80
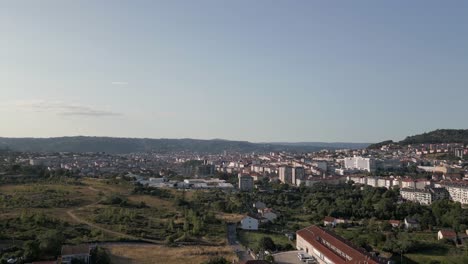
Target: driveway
236, 247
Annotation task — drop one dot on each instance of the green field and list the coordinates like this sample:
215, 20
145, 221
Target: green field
250, 238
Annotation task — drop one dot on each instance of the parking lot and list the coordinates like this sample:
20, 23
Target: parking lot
289, 257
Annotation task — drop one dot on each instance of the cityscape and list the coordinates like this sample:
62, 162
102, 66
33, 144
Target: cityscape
233, 132
386, 203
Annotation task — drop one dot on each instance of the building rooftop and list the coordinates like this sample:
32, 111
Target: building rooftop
336, 248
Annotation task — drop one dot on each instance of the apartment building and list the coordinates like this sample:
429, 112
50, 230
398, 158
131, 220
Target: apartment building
458, 191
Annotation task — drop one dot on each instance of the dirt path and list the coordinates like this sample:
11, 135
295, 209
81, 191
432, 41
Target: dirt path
72, 214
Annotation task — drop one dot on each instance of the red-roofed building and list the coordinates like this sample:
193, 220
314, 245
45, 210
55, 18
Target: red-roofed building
395, 223
329, 221
447, 234
329, 248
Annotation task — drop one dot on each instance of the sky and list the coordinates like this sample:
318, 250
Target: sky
262, 71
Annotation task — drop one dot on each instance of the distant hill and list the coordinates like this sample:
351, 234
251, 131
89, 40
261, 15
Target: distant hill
131, 145
326, 145
439, 136
433, 137
380, 144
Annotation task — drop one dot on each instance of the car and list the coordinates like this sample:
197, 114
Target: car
300, 256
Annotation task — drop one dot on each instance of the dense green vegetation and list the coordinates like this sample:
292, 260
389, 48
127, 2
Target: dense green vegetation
41, 236
367, 209
433, 137
439, 136
380, 144
261, 240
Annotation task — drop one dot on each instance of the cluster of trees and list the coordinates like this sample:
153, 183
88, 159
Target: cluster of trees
433, 137
439, 136
42, 235
158, 192
357, 203
121, 201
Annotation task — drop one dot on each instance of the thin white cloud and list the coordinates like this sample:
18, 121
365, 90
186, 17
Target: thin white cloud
119, 83
59, 107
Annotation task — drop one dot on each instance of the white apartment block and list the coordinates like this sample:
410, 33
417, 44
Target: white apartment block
285, 174
458, 192
423, 196
359, 163
374, 181
415, 195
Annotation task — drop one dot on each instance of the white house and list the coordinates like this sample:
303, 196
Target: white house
250, 223
411, 223
329, 221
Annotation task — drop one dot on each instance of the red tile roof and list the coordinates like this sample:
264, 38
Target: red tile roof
317, 237
448, 233
329, 219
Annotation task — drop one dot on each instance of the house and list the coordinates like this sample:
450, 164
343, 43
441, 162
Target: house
411, 223
79, 252
329, 221
250, 222
327, 247
447, 234
268, 214
341, 221
259, 205
394, 223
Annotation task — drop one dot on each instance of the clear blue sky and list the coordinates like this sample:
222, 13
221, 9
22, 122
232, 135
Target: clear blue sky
356, 71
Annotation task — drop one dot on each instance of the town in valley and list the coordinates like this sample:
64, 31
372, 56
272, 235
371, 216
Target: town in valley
391, 202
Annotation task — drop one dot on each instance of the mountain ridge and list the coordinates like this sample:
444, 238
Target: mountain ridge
118, 145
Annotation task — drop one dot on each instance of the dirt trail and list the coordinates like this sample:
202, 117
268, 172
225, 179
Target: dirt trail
72, 214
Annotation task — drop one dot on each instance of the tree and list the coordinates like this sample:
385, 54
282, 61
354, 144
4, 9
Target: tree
31, 250
50, 242
266, 243
186, 225
270, 258
100, 256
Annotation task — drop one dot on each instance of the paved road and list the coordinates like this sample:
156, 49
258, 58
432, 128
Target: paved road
236, 247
